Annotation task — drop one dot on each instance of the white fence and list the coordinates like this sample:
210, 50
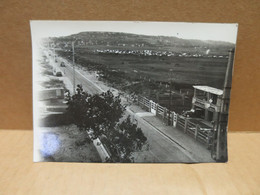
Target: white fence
144, 103
174, 119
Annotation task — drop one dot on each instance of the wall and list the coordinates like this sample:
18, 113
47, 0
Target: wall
15, 44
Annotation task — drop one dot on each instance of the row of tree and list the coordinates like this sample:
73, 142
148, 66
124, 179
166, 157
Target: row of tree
99, 117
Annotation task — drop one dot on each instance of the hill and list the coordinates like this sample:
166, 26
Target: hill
127, 40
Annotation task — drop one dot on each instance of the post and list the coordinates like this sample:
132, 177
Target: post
54, 53
173, 113
73, 63
170, 105
210, 135
164, 113
185, 125
196, 131
175, 119
169, 117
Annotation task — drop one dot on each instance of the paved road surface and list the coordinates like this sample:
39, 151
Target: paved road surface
88, 85
160, 147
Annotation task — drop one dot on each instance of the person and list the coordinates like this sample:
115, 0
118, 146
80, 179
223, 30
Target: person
67, 96
79, 89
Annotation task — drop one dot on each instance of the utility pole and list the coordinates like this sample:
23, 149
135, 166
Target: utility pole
49, 46
170, 105
221, 147
54, 54
73, 63
170, 99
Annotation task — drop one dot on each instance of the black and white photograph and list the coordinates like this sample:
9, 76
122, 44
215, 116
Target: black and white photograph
131, 92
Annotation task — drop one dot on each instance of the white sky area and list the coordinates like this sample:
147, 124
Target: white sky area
202, 31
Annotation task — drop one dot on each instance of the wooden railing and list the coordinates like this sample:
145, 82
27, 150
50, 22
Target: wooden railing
178, 121
160, 111
193, 129
144, 103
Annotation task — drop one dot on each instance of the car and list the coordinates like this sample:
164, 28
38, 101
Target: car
58, 74
62, 64
197, 113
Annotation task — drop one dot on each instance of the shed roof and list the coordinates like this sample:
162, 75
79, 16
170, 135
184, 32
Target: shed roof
209, 89
52, 93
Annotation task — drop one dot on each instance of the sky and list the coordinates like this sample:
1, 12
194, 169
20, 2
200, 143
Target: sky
203, 31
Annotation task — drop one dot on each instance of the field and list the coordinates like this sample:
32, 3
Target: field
187, 70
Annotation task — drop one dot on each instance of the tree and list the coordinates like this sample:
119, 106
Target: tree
128, 138
98, 115
95, 113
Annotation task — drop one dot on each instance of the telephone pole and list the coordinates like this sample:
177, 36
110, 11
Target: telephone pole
170, 99
73, 63
221, 147
170, 106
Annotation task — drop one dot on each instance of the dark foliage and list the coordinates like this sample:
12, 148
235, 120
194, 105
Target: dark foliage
98, 116
124, 140
95, 113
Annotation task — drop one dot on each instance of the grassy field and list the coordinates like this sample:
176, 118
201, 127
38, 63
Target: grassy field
188, 70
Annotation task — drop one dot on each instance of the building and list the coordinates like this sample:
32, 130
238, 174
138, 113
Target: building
208, 100
51, 101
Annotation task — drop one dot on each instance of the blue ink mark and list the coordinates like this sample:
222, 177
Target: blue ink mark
50, 144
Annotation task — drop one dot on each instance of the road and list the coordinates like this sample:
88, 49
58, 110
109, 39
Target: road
88, 85
160, 148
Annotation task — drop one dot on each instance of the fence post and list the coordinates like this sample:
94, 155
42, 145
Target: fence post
196, 131
164, 113
150, 105
175, 119
172, 113
209, 138
185, 125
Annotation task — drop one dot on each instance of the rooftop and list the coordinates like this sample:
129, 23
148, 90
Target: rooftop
209, 89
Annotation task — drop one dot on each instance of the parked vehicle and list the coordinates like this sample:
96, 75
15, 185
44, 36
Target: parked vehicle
197, 113
62, 64
57, 72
